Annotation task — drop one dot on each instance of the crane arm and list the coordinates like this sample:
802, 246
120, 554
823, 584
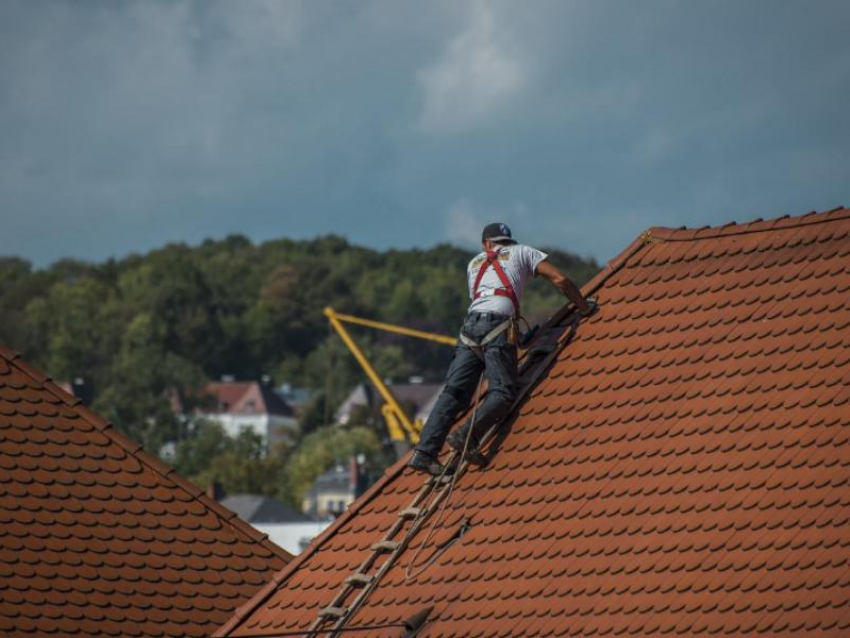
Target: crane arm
391, 405
380, 325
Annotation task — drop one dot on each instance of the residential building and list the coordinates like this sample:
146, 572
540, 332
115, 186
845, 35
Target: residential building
79, 389
333, 491
285, 527
415, 397
253, 406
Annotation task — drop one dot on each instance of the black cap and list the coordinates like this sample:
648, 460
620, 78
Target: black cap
497, 231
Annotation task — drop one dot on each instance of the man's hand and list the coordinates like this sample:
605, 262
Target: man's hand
591, 306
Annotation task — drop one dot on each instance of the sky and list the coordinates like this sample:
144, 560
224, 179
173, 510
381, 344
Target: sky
127, 125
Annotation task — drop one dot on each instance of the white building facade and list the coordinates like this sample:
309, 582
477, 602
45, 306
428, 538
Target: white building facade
251, 406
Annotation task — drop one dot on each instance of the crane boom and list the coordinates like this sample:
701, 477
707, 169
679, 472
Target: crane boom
400, 427
389, 327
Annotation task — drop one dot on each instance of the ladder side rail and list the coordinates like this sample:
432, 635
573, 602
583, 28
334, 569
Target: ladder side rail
367, 564
535, 369
391, 559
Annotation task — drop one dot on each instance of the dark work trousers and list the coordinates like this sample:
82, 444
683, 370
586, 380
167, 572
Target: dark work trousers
500, 370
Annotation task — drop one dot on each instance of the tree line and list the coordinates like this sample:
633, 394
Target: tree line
148, 331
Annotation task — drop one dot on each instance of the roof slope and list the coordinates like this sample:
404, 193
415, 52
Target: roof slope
98, 538
682, 467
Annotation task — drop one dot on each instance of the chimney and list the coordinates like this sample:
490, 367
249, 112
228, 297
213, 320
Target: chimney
81, 390
215, 491
353, 474
359, 477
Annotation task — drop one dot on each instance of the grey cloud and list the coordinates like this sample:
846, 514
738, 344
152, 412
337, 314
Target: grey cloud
128, 124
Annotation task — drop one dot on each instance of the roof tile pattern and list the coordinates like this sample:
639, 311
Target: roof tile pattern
683, 468
99, 539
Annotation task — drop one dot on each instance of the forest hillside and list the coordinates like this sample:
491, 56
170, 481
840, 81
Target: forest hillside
146, 329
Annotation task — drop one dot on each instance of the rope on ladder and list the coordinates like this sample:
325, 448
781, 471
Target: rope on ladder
411, 572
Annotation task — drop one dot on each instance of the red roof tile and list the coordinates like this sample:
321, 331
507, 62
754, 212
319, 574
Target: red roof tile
682, 466
98, 538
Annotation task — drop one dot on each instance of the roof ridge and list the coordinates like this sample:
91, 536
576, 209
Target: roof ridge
136, 451
758, 225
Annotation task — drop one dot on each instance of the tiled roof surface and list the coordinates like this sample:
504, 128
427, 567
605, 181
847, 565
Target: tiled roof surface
682, 468
99, 539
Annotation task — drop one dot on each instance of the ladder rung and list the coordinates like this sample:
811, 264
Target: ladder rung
359, 579
411, 512
385, 546
333, 612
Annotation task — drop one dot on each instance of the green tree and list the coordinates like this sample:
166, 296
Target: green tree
173, 292
16, 290
148, 385
148, 331
238, 464
242, 468
328, 445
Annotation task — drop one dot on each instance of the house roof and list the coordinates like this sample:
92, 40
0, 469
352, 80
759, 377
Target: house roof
247, 397
98, 538
259, 508
365, 395
427, 407
681, 465
336, 479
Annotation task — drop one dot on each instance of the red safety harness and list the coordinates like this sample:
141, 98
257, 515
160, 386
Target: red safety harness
507, 290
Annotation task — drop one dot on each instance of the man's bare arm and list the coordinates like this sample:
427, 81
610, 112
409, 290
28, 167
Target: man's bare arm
565, 285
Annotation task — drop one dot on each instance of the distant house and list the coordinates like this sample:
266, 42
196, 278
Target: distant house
415, 397
284, 526
252, 406
296, 398
79, 389
424, 409
335, 490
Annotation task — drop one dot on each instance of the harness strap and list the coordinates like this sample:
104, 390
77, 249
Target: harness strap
507, 289
478, 346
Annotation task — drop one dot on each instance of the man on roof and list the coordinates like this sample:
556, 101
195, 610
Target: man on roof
496, 278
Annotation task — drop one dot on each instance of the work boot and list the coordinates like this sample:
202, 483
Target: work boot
425, 463
456, 441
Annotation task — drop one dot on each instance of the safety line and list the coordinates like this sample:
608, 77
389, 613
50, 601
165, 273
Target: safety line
457, 470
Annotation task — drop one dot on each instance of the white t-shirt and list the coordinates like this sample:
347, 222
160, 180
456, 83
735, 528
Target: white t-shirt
519, 263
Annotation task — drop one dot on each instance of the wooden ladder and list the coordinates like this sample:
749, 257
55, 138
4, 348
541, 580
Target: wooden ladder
410, 520
420, 509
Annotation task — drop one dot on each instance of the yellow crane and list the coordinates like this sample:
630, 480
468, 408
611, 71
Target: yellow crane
402, 430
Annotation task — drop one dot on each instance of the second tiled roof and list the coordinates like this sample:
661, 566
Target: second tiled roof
99, 539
